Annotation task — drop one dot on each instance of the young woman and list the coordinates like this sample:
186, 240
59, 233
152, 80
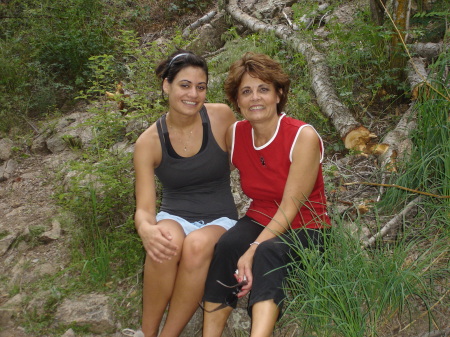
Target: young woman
186, 150
279, 161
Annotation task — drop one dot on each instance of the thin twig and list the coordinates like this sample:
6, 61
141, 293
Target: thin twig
287, 19
321, 19
400, 187
35, 129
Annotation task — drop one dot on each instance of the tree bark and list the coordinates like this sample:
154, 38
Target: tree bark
417, 75
377, 11
397, 59
354, 135
204, 19
430, 51
397, 141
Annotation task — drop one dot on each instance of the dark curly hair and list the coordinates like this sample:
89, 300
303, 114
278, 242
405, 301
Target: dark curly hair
169, 68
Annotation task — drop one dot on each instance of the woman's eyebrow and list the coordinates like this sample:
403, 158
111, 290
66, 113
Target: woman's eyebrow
191, 81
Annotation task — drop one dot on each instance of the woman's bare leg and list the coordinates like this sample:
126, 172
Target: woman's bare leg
159, 280
214, 322
264, 317
198, 248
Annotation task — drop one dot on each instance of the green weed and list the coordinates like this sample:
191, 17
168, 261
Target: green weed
348, 291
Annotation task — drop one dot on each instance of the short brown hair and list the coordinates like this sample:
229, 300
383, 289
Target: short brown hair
260, 66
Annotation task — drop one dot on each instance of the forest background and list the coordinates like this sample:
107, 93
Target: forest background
386, 272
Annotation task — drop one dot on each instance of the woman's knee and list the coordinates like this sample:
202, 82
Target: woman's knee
269, 254
175, 230
270, 247
198, 248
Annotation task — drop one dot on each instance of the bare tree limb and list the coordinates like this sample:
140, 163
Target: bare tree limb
397, 140
428, 50
204, 19
400, 187
393, 223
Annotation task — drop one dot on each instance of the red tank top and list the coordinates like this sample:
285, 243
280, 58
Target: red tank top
264, 171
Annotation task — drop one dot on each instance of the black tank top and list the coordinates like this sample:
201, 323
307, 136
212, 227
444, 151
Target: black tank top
195, 188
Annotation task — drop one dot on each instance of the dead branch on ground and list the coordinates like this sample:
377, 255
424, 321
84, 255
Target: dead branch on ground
391, 224
204, 19
400, 187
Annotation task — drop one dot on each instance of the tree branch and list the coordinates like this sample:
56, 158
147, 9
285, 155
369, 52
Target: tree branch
204, 19
393, 223
400, 187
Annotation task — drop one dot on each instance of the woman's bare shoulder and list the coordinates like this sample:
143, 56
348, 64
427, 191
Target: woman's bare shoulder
149, 139
220, 111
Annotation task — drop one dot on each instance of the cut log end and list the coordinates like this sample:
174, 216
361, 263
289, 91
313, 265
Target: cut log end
362, 140
117, 96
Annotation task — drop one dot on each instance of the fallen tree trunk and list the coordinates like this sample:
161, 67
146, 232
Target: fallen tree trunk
417, 75
354, 135
397, 142
428, 50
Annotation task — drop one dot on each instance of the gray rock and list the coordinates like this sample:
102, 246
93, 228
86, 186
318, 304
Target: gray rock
70, 132
53, 234
37, 305
92, 311
135, 127
122, 148
10, 309
39, 145
7, 169
69, 333
6, 146
56, 144
6, 242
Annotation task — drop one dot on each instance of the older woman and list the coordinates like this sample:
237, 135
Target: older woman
279, 161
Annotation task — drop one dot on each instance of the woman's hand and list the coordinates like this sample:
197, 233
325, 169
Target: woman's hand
157, 242
245, 271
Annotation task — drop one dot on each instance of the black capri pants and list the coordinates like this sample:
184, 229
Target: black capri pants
269, 263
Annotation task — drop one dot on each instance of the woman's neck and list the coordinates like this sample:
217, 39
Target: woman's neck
181, 122
264, 131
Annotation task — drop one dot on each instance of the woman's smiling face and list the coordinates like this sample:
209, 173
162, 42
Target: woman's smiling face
187, 92
257, 99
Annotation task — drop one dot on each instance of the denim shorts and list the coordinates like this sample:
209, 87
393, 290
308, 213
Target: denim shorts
188, 227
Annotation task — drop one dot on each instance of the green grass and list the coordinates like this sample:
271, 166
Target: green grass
348, 291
